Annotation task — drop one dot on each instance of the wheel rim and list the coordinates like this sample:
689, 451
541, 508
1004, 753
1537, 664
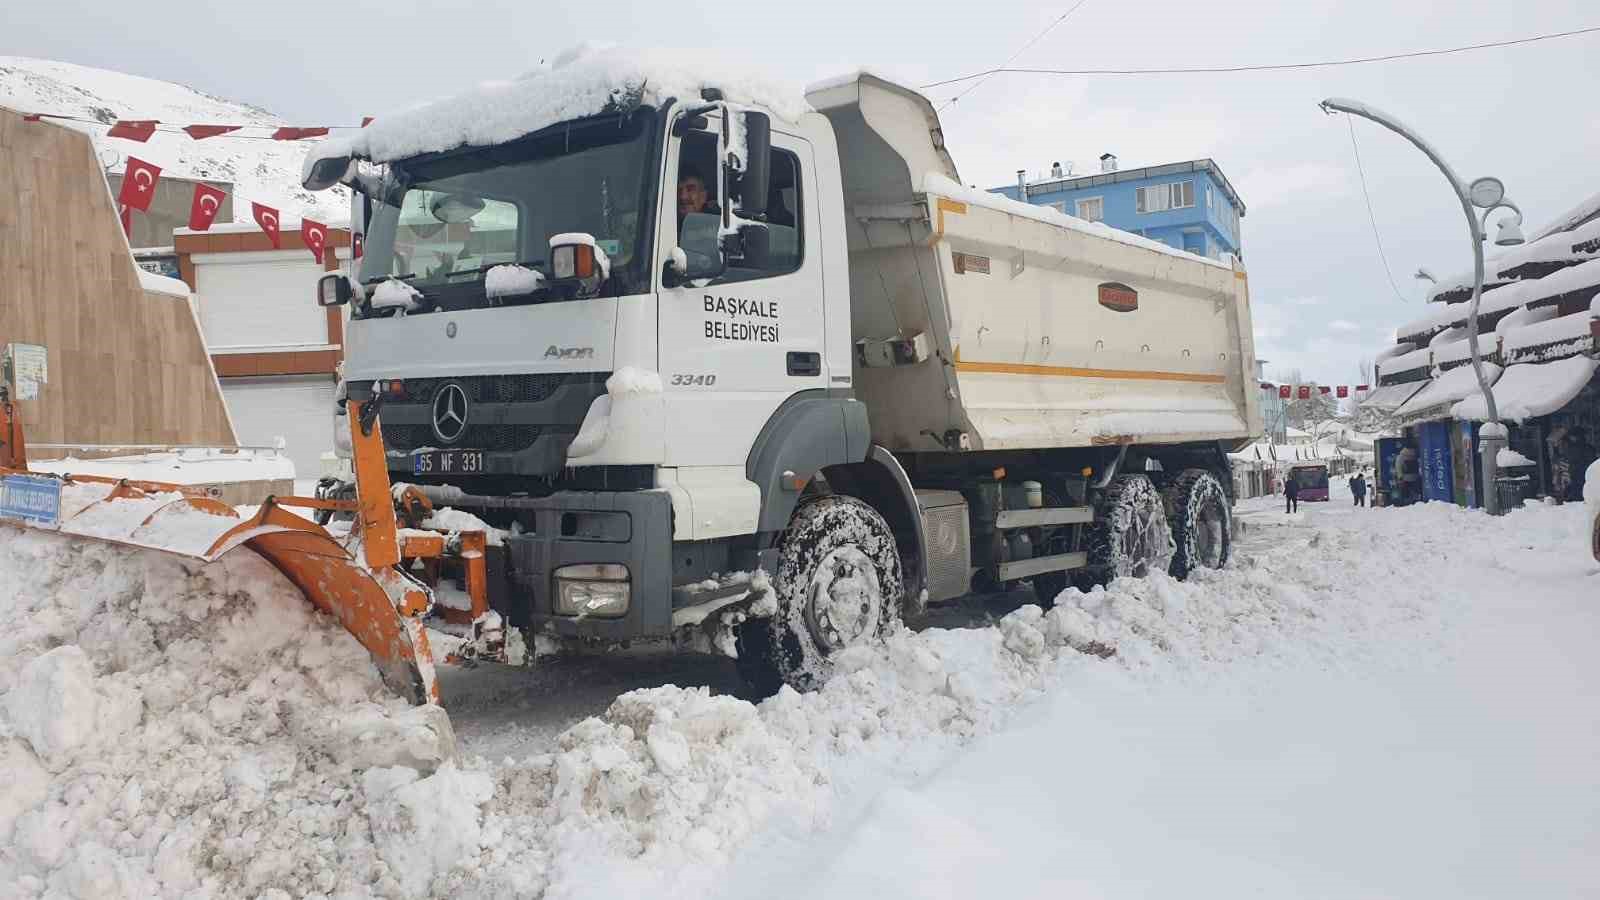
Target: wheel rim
1208, 535
844, 600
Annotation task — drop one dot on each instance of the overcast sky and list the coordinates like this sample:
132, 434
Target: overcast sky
1320, 296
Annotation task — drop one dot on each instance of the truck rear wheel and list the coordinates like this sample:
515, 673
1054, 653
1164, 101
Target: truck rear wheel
1131, 538
838, 585
1201, 522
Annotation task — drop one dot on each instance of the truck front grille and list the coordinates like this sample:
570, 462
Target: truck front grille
495, 438
487, 388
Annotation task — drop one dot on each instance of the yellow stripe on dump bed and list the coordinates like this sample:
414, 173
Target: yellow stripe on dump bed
1000, 368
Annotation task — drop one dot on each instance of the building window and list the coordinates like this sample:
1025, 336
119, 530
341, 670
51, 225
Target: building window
1162, 197
1092, 209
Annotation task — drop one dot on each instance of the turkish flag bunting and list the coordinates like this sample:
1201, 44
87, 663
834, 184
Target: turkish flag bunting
1324, 389
203, 210
201, 132
365, 121
267, 218
1305, 392
1265, 386
1283, 391
315, 234
126, 216
1361, 389
133, 129
295, 134
1344, 390
138, 184
32, 117
358, 245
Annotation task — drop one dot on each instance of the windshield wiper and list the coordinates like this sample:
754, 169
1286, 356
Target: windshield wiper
536, 265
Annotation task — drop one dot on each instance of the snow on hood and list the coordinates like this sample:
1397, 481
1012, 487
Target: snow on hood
580, 82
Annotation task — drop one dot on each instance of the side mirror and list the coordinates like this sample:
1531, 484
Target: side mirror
326, 172
757, 178
333, 290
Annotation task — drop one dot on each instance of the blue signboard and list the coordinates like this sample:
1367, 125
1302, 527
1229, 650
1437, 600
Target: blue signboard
30, 499
1433, 443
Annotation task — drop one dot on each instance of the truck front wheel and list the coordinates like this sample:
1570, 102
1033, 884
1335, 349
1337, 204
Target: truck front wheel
838, 585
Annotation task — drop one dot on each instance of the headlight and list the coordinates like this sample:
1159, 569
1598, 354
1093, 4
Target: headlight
592, 590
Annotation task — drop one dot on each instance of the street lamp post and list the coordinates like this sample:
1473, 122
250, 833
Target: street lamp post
1489, 195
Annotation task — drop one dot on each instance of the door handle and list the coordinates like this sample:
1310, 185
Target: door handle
805, 364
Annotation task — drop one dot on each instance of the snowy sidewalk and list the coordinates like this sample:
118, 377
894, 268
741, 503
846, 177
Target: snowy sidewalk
1449, 753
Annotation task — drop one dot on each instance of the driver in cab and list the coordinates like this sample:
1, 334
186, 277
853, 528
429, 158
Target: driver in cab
692, 195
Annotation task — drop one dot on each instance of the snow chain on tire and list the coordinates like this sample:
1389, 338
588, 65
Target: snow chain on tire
838, 585
1131, 538
1201, 521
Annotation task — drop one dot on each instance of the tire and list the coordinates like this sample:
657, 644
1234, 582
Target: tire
1202, 523
1131, 538
838, 585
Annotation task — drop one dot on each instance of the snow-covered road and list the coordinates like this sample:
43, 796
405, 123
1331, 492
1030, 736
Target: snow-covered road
1365, 703
1449, 754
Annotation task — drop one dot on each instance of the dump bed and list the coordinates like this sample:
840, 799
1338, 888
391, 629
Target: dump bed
1016, 325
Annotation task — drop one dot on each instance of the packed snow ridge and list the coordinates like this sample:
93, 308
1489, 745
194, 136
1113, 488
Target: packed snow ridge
181, 730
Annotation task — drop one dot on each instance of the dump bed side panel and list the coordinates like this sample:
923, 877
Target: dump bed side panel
1064, 338
1041, 331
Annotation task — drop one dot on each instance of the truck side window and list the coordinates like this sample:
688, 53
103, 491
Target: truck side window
785, 221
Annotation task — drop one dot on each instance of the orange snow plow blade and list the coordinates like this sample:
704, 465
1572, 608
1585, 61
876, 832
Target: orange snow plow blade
356, 580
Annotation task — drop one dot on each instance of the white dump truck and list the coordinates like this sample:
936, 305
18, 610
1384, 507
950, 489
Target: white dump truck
762, 376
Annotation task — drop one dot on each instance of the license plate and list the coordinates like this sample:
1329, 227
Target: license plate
447, 462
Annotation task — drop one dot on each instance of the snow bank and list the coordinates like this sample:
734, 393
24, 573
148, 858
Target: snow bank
177, 730
582, 82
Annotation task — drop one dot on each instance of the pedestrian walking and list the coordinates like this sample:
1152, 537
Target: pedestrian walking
1358, 488
1291, 494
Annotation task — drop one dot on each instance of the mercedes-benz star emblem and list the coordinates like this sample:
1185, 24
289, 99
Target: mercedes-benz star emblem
450, 413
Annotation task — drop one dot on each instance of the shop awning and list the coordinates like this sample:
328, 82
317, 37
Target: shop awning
1390, 397
1439, 395
1530, 390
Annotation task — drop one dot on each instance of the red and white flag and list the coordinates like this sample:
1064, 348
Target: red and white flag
124, 214
139, 184
315, 234
1361, 389
201, 132
287, 133
1283, 391
1344, 391
1324, 389
133, 129
267, 218
203, 210
1305, 392
358, 245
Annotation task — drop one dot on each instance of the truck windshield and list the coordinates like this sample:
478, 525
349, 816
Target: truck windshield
445, 220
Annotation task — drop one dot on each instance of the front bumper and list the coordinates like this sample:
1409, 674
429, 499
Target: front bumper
628, 528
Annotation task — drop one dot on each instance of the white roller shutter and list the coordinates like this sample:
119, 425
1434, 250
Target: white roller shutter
298, 408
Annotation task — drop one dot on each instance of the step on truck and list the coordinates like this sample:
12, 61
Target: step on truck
764, 378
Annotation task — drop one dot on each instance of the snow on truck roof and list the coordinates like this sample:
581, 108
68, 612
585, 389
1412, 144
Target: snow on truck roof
580, 82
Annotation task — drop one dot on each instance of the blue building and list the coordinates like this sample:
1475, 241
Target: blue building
1187, 205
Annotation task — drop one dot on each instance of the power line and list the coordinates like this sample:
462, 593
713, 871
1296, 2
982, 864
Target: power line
1010, 59
1350, 120
1210, 70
